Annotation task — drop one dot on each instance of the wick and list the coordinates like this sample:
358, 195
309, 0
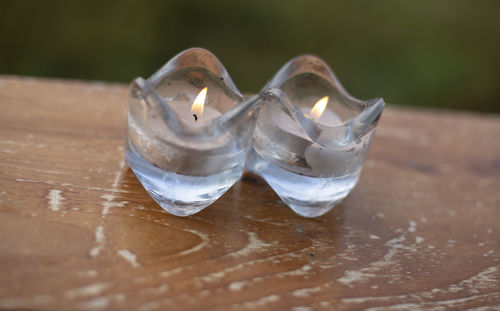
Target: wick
195, 117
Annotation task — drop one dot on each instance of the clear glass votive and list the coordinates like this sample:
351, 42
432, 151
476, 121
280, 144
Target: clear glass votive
189, 131
311, 137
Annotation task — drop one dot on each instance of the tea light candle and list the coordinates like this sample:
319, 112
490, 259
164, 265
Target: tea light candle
318, 158
184, 111
188, 146
321, 159
197, 112
194, 115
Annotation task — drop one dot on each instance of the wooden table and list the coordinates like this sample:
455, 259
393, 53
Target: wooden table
77, 230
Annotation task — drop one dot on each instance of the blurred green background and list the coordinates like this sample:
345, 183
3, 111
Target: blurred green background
424, 53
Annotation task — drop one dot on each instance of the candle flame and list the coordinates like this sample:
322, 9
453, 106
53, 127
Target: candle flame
318, 108
199, 103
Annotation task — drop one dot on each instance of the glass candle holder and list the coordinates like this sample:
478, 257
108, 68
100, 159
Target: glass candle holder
311, 137
189, 132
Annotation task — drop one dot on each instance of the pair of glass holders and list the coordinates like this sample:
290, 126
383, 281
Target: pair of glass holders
191, 134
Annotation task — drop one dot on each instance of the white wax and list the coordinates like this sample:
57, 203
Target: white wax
183, 111
328, 118
320, 160
288, 124
151, 133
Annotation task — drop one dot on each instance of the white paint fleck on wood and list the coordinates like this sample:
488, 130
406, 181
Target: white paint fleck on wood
108, 197
95, 251
99, 234
358, 300
70, 185
102, 302
129, 257
259, 303
254, 244
296, 272
96, 303
162, 288
396, 246
485, 279
217, 276
118, 175
89, 290
439, 305
413, 226
306, 292
204, 242
88, 273
99, 239
168, 273
237, 286
106, 206
55, 199
353, 276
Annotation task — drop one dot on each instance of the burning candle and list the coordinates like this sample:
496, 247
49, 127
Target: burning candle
311, 156
320, 114
188, 147
321, 159
316, 156
194, 114
198, 112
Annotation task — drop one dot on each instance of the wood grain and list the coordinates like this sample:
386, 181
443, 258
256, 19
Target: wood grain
77, 230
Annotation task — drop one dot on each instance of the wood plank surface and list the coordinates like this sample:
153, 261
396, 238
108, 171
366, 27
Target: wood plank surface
77, 231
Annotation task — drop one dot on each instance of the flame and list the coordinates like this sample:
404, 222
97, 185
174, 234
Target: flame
318, 108
199, 102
